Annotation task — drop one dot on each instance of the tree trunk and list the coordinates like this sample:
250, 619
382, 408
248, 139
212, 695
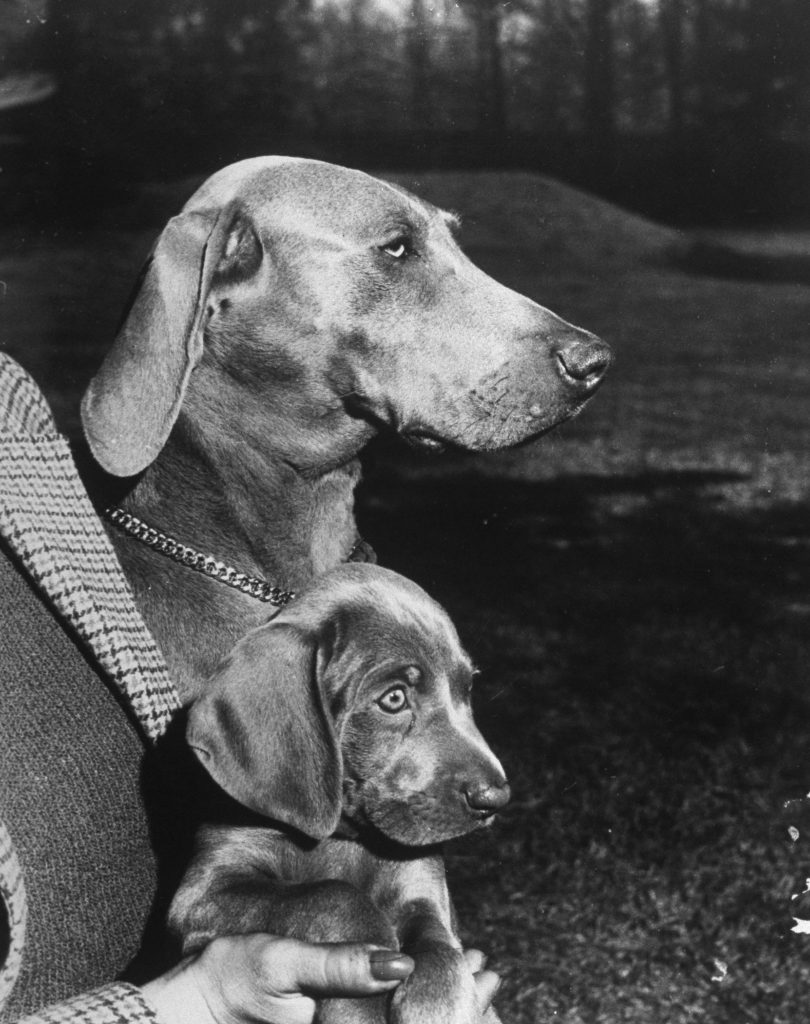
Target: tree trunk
703, 48
497, 78
490, 77
419, 57
547, 62
599, 114
672, 32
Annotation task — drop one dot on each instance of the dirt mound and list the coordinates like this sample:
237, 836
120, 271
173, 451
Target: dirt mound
517, 210
746, 262
499, 210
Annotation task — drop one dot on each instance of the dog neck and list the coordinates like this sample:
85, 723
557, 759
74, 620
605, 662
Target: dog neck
264, 518
267, 518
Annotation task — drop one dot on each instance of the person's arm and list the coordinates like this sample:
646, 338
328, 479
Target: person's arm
118, 1002
251, 978
237, 980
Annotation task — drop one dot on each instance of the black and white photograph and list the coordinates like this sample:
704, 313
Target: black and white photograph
404, 511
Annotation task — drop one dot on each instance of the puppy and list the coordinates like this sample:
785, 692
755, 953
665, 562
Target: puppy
347, 721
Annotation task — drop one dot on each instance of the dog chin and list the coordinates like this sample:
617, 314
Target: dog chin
426, 442
435, 444
485, 437
415, 833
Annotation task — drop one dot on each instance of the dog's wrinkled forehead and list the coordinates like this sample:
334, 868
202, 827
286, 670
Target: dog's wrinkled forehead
385, 616
298, 193
406, 623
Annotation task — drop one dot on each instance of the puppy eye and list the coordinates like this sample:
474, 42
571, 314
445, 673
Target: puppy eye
394, 700
399, 248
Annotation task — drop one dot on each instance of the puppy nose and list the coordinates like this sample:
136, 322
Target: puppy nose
487, 797
584, 361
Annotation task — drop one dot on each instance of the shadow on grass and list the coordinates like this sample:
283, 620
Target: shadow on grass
592, 549
644, 648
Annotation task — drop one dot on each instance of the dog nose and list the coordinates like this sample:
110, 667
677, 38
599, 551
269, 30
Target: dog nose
487, 797
584, 361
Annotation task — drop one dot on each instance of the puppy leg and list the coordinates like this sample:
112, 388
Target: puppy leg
334, 911
248, 902
441, 989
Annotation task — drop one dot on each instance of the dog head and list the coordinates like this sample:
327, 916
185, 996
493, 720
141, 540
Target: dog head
297, 307
355, 700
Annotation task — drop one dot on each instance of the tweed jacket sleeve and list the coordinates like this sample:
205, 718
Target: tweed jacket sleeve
48, 521
112, 1004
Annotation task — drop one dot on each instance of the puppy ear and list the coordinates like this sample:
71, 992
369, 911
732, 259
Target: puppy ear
263, 733
132, 403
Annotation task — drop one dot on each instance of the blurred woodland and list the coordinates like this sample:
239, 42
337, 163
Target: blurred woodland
690, 110
634, 587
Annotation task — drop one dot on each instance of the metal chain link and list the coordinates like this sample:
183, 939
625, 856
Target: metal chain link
253, 586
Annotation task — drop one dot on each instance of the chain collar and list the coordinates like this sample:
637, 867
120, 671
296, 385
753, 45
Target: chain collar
253, 586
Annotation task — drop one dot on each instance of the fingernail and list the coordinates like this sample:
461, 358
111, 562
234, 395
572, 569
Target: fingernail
388, 965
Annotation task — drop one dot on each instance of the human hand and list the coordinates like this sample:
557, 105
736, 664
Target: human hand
487, 982
247, 979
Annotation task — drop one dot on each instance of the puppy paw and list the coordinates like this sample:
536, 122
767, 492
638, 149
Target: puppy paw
441, 990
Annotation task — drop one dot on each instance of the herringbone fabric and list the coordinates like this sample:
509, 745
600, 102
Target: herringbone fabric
112, 1004
48, 520
49, 523
22, 408
12, 894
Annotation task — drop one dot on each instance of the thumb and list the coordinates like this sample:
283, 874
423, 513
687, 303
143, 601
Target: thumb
340, 969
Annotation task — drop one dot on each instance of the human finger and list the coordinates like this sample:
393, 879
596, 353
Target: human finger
334, 969
475, 960
260, 978
487, 984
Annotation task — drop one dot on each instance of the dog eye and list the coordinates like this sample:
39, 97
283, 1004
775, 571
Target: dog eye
394, 700
399, 248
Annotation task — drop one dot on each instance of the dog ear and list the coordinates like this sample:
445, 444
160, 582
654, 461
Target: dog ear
132, 403
262, 731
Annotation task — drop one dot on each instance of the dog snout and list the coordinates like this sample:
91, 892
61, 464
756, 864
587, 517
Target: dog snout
584, 361
487, 797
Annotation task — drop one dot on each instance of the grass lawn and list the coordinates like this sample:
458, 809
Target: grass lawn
635, 588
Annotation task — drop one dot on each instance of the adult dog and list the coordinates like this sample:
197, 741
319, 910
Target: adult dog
292, 310
347, 721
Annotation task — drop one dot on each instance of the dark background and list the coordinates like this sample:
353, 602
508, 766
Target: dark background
692, 110
634, 586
